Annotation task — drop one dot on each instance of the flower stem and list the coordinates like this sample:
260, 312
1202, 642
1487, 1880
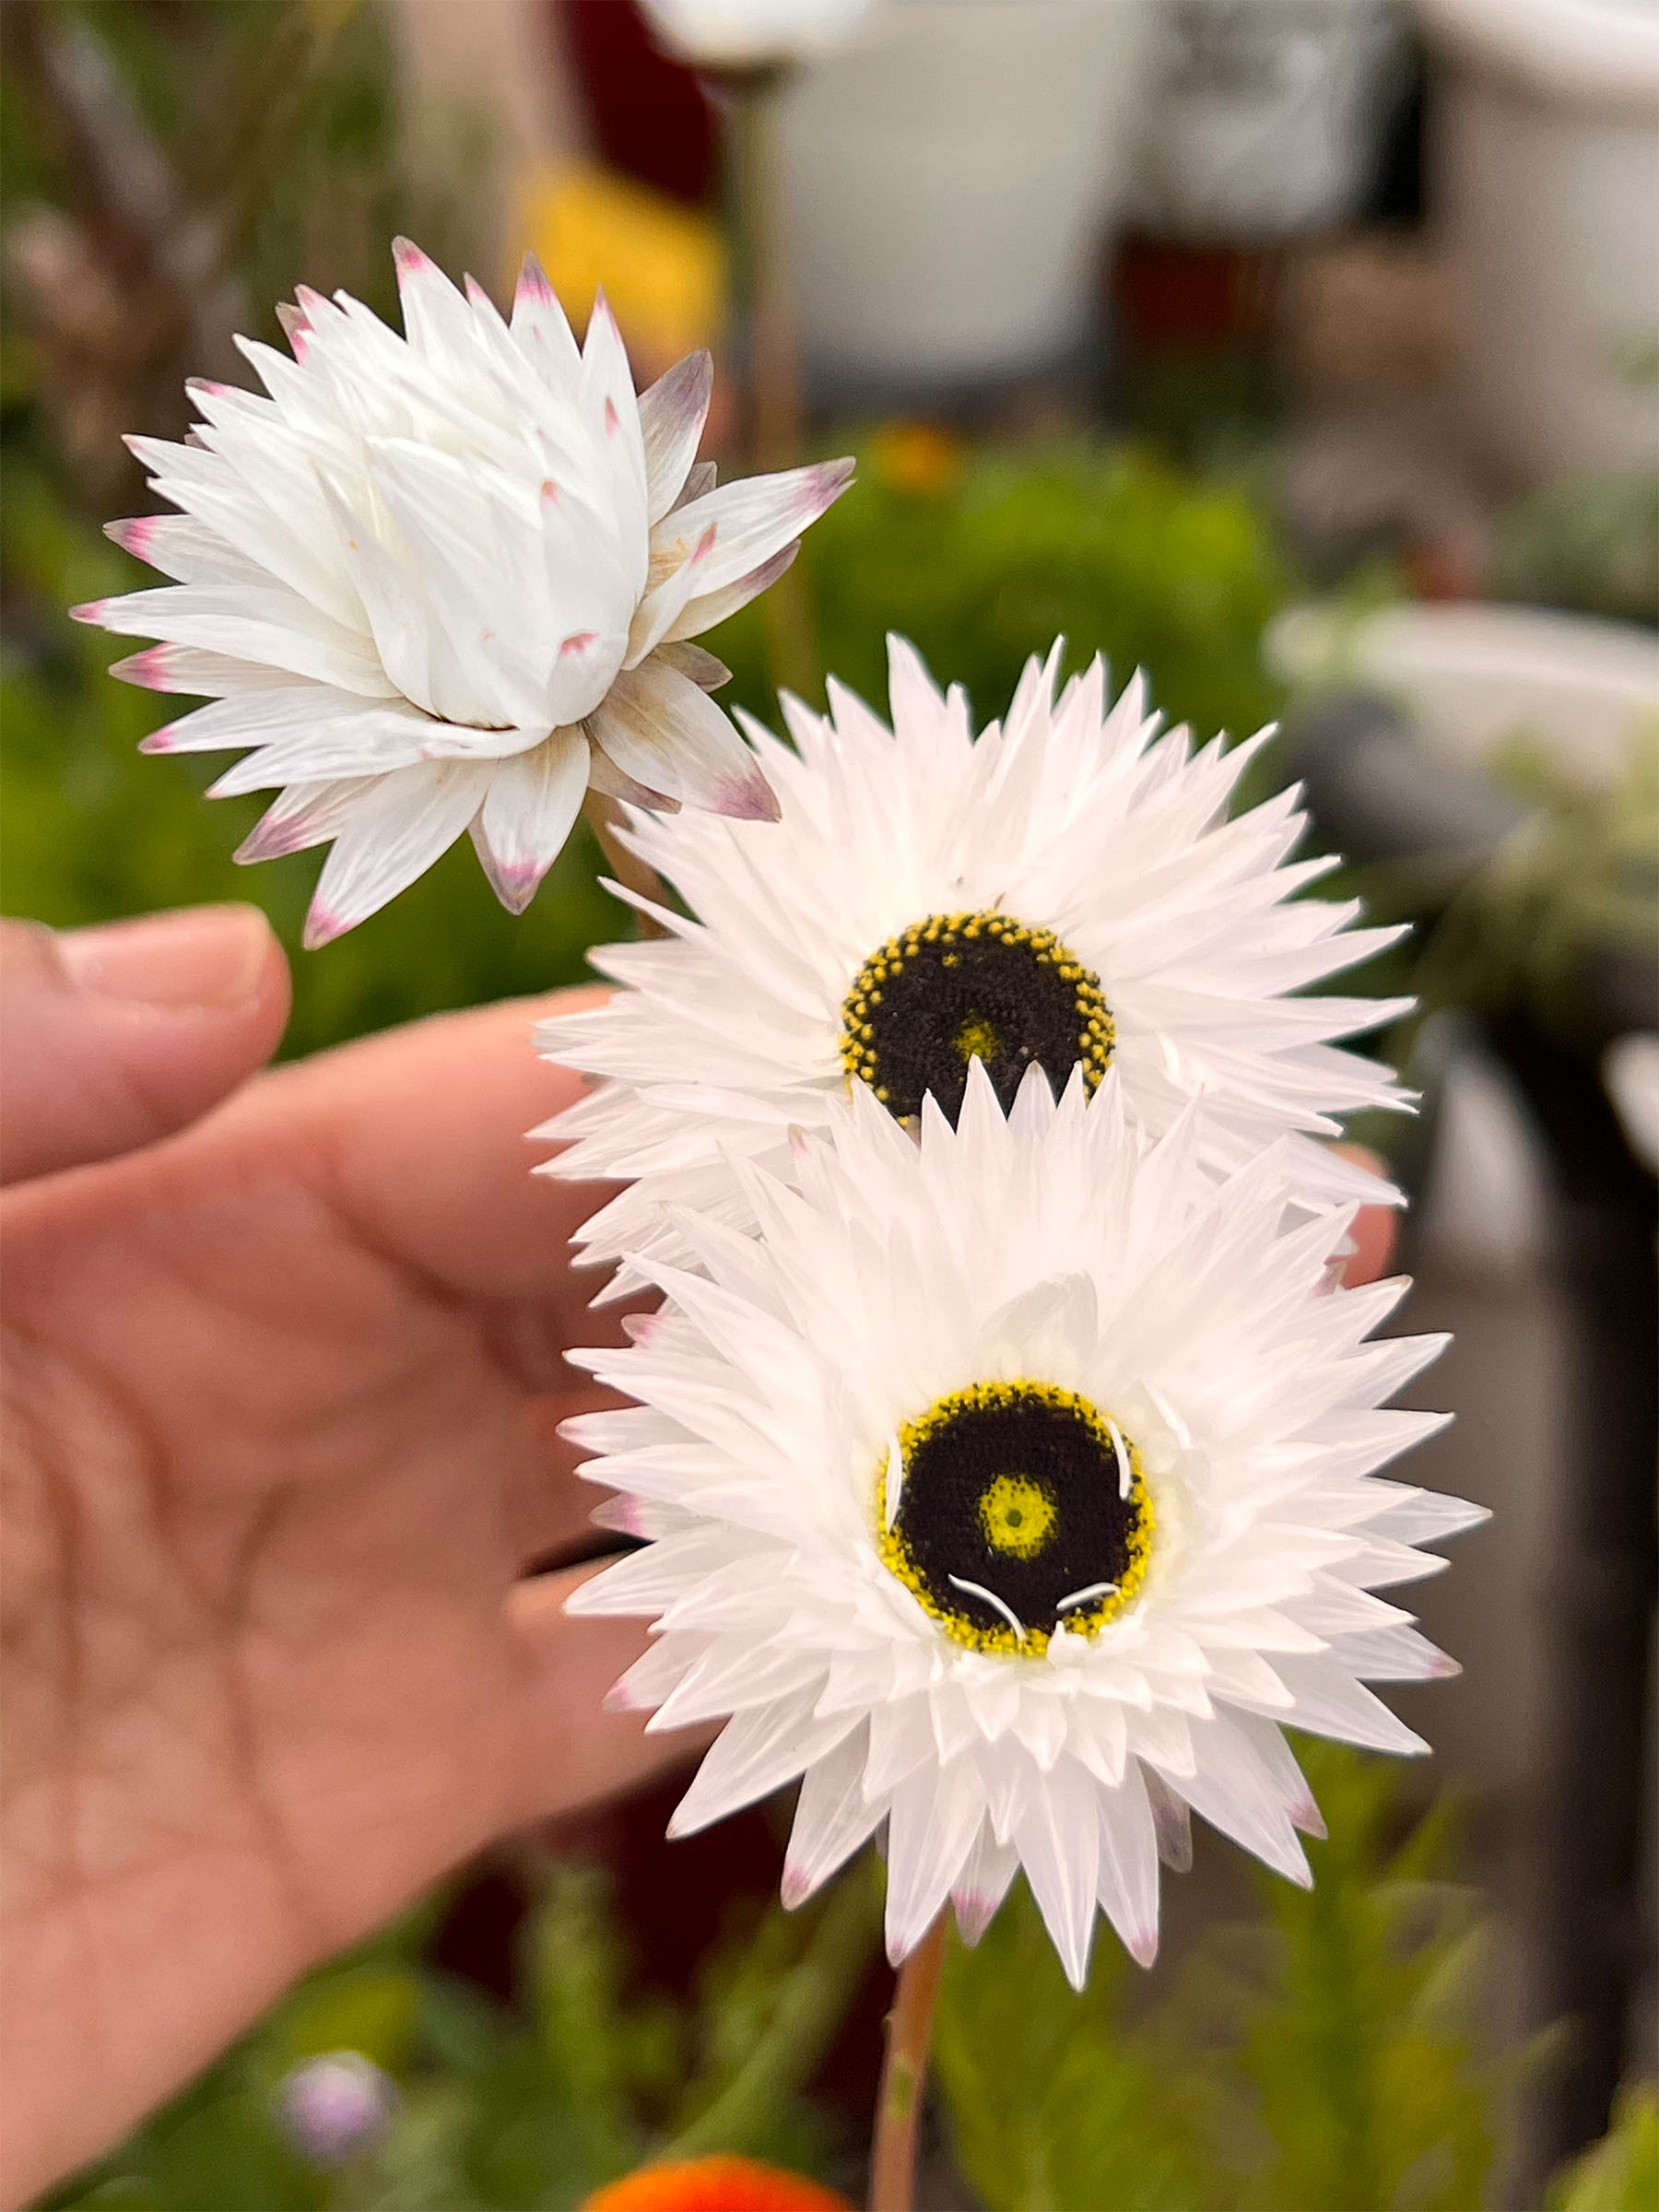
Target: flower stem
754, 111
605, 818
904, 2074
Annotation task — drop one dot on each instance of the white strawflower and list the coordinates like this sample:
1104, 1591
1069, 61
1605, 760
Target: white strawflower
1067, 889
1012, 1488
445, 581
746, 34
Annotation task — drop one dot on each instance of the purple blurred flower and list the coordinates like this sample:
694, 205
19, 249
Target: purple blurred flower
335, 2105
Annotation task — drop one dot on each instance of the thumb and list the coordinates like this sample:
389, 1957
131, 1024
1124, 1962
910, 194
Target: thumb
113, 1037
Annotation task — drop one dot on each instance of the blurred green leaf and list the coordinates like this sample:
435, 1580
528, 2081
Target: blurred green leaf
1110, 548
1052, 2103
1620, 2173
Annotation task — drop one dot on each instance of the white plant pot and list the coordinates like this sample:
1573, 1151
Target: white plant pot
1473, 674
951, 179
1267, 119
1546, 191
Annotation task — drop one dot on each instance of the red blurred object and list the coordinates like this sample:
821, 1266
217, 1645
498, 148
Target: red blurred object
717, 2184
1186, 296
649, 116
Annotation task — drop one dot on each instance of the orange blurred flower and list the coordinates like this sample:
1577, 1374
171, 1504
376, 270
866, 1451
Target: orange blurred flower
917, 457
718, 2185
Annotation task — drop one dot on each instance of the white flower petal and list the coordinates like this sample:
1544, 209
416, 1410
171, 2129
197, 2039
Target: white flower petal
530, 810
756, 1753
832, 1817
1057, 1831
1132, 1836
704, 612
934, 1821
672, 414
662, 731
392, 833
753, 519
983, 1882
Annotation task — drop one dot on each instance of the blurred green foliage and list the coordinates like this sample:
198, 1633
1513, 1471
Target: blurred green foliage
1578, 880
525, 2108
1591, 543
1620, 2173
1329, 2054
995, 552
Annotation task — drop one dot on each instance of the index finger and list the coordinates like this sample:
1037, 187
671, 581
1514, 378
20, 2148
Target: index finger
418, 1139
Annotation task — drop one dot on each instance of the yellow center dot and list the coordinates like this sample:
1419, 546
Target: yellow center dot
978, 1037
1018, 1515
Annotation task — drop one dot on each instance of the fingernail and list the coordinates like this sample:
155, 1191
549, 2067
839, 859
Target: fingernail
200, 955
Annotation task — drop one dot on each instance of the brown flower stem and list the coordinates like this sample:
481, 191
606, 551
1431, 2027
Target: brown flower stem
904, 2074
760, 219
604, 817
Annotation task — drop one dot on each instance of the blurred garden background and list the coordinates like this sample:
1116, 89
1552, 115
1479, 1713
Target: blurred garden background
1303, 352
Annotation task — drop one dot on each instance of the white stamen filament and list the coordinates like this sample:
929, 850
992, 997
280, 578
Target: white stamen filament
1078, 1597
1183, 1435
991, 1598
1125, 1472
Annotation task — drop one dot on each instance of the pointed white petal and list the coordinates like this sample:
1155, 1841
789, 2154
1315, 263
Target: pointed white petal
665, 733
392, 833
529, 810
672, 414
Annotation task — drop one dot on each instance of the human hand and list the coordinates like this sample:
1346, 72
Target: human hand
281, 1396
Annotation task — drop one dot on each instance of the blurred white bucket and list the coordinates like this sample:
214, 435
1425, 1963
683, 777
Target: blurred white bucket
951, 179
1267, 120
1545, 185
1473, 674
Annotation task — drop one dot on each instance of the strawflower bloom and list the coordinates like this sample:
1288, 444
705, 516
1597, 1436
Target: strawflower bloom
1067, 889
1010, 1490
446, 581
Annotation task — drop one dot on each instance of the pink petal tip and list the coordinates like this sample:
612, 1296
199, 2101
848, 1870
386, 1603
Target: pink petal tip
321, 926
613, 421
793, 1889
532, 285
515, 886
91, 610
1306, 1816
1142, 1945
134, 537
148, 669
619, 1699
409, 259
158, 741
747, 799
579, 641
828, 481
